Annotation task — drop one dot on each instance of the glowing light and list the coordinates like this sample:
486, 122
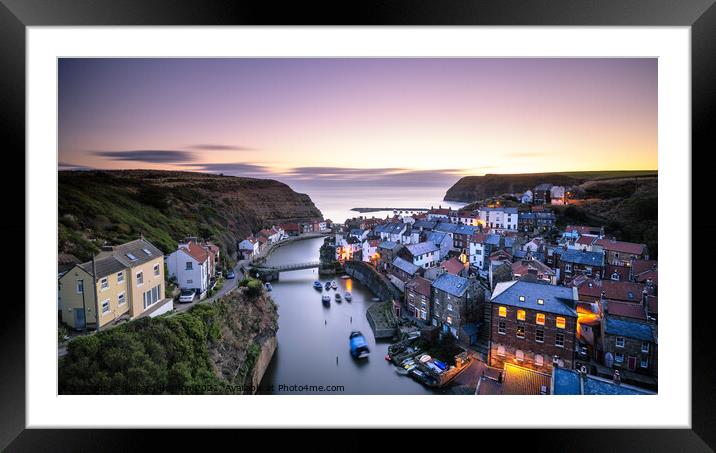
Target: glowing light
520, 315
503, 312
561, 322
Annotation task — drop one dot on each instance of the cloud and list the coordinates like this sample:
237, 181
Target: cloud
68, 166
233, 169
215, 147
152, 156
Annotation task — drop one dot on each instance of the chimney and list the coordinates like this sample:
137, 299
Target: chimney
617, 379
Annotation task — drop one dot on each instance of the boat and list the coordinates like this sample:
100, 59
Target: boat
425, 358
317, 285
401, 371
376, 299
338, 297
269, 287
387, 357
345, 277
326, 299
348, 296
358, 345
328, 286
334, 285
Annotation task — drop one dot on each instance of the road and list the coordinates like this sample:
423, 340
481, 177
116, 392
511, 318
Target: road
228, 286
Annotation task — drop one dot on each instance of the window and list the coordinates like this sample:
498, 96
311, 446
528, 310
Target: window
449, 320
131, 257
121, 299
501, 351
501, 327
588, 271
522, 298
561, 322
156, 270
619, 342
540, 301
520, 315
519, 355
120, 277
105, 306
644, 363
146, 251
503, 311
644, 346
189, 265
140, 278
104, 283
619, 358
80, 286
567, 267
189, 282
152, 296
449, 306
520, 331
539, 360
559, 340
539, 335
539, 319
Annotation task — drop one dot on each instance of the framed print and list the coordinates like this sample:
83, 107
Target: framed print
453, 217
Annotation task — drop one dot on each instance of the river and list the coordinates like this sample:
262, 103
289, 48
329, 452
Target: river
311, 336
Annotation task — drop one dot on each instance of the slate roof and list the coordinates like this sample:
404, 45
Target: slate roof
493, 239
626, 310
468, 230
426, 224
422, 248
391, 228
566, 382
356, 232
436, 237
557, 299
118, 259
620, 246
451, 284
597, 386
388, 245
505, 210
405, 266
543, 187
104, 266
446, 227
580, 257
628, 328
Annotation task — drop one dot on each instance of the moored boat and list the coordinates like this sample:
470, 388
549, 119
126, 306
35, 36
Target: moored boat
269, 287
317, 285
326, 299
334, 285
348, 296
358, 345
328, 286
338, 297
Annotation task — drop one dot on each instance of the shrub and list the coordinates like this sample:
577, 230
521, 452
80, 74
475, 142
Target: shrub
254, 288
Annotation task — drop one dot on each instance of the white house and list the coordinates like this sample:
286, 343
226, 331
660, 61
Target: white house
526, 197
249, 247
442, 240
439, 214
477, 254
557, 195
499, 218
425, 254
370, 248
190, 265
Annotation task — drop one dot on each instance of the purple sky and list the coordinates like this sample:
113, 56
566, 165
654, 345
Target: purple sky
335, 118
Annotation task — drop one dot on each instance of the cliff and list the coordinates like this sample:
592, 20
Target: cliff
166, 206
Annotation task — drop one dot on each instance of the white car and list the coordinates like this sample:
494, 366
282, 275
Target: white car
187, 296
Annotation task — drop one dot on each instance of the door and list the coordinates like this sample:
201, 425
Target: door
79, 318
632, 363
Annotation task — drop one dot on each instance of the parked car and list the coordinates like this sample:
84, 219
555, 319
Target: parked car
187, 296
230, 275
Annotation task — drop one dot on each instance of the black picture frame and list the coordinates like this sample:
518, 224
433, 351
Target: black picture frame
700, 15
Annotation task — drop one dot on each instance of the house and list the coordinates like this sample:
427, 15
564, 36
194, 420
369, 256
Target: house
533, 325
417, 298
477, 251
291, 229
557, 195
392, 231
439, 214
514, 380
617, 273
584, 243
643, 271
544, 220
122, 282
401, 271
189, 264
457, 301
526, 198
214, 257
272, 235
454, 266
424, 254
500, 218
526, 221
441, 239
461, 237
570, 263
584, 230
533, 270
370, 250
447, 228
358, 234
424, 225
542, 194
629, 344
248, 248
576, 382
594, 289
387, 251
622, 253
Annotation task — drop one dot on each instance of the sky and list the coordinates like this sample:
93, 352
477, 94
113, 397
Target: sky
384, 122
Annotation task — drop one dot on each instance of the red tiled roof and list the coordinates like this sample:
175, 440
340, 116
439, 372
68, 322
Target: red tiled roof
583, 229
620, 246
479, 238
622, 271
626, 309
500, 254
453, 266
586, 240
522, 267
420, 285
613, 290
523, 381
196, 251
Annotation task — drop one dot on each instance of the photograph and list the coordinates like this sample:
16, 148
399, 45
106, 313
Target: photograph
357, 226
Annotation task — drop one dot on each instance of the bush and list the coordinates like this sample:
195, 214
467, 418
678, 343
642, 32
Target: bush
254, 288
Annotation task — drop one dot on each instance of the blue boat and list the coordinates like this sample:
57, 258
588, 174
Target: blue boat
358, 345
440, 364
317, 285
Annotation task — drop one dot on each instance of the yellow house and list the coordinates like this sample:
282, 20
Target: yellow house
122, 282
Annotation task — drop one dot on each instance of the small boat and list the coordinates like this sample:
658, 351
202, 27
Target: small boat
269, 287
376, 299
326, 299
387, 357
348, 296
317, 285
358, 345
425, 358
345, 277
334, 285
401, 371
338, 297
328, 286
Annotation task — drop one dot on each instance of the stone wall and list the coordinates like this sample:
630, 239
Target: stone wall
376, 282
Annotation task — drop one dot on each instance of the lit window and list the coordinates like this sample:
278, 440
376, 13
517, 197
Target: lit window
503, 311
449, 306
540, 301
501, 351
501, 327
539, 335
120, 277
520, 331
620, 342
539, 360
559, 340
561, 322
522, 298
540, 319
449, 320
104, 283
520, 315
